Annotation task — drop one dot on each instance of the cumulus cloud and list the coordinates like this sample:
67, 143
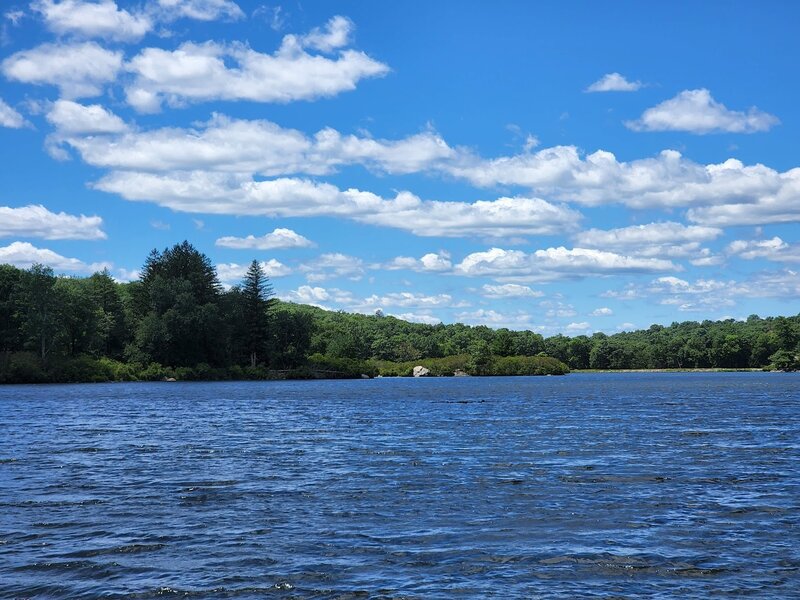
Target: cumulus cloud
716, 194
431, 262
37, 221
93, 19
10, 117
200, 10
219, 193
24, 255
777, 203
582, 327
667, 232
695, 111
707, 295
327, 298
668, 180
509, 290
279, 238
513, 320
70, 118
602, 312
78, 70
555, 309
774, 249
233, 273
335, 34
212, 71
416, 317
665, 239
408, 300
258, 146
614, 82
554, 263
332, 265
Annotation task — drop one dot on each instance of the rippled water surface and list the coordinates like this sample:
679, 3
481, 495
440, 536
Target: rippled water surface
612, 486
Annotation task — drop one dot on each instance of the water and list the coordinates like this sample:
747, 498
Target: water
590, 486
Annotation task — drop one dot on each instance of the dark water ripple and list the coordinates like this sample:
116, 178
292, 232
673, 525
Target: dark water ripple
589, 486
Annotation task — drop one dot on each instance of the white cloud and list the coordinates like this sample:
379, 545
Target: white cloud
200, 10
233, 273
23, 255
696, 111
710, 295
666, 240
492, 318
219, 193
725, 193
509, 290
642, 235
92, 19
409, 300
335, 34
614, 82
201, 72
78, 70
776, 204
557, 309
426, 318
37, 221
431, 262
668, 180
333, 265
126, 275
582, 327
279, 238
71, 118
10, 117
602, 312
258, 146
554, 263
316, 296
774, 249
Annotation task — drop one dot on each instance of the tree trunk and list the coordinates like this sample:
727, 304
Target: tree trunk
252, 359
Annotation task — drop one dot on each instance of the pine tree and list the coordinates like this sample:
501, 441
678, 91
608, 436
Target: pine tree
257, 296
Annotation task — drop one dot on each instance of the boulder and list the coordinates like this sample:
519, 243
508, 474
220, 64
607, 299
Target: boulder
420, 371
460, 373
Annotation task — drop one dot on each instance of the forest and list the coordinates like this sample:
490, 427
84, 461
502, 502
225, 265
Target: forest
177, 322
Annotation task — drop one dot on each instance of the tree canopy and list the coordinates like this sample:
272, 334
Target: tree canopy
178, 316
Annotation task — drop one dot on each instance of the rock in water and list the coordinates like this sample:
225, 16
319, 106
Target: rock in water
460, 373
420, 371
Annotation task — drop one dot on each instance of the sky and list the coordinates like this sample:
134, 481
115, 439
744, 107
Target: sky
567, 167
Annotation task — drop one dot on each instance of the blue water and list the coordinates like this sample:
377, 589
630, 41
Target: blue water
585, 486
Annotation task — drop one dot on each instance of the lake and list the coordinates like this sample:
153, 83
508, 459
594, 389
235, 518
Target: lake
658, 485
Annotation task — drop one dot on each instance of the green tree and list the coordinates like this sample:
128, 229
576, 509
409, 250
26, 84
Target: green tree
257, 298
176, 308
40, 321
10, 303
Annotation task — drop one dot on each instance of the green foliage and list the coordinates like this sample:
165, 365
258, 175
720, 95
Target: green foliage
487, 365
334, 367
177, 322
785, 360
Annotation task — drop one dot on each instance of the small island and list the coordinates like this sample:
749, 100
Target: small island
177, 323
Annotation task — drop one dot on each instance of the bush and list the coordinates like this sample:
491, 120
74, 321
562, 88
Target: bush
494, 365
21, 367
328, 367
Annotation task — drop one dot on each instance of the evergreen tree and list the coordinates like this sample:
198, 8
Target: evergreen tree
257, 298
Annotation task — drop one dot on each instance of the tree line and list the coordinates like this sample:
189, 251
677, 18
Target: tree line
176, 320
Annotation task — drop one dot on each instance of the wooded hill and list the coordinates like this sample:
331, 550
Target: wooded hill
177, 321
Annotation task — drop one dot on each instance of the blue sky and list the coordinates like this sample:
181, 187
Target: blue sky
561, 167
